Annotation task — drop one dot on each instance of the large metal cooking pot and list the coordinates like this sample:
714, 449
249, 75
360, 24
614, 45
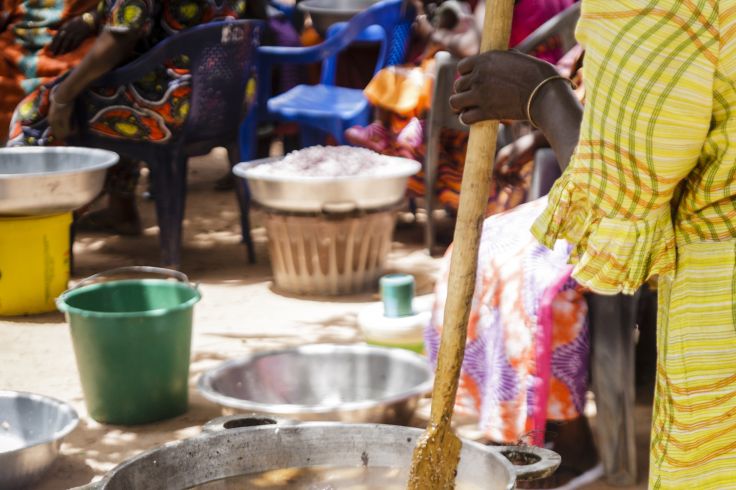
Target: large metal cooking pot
31, 429
345, 383
240, 445
325, 13
318, 194
47, 180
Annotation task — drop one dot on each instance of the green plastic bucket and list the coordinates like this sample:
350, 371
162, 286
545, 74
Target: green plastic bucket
132, 341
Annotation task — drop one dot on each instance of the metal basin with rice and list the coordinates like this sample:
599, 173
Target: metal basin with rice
47, 180
233, 451
346, 383
31, 430
325, 13
314, 194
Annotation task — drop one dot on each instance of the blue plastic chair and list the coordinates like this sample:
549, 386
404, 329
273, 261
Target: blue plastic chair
222, 59
326, 108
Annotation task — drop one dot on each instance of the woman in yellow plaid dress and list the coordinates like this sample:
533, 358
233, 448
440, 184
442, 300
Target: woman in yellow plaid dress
650, 190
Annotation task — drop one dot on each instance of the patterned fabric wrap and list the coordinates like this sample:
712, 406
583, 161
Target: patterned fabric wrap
526, 358
27, 28
153, 108
651, 190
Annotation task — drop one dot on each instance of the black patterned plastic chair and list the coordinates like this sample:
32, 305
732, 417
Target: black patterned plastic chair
222, 58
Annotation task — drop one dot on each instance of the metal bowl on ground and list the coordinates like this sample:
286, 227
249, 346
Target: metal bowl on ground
346, 383
325, 13
46, 180
231, 447
31, 430
328, 194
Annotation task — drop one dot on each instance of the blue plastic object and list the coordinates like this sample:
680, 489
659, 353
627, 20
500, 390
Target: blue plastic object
325, 108
222, 59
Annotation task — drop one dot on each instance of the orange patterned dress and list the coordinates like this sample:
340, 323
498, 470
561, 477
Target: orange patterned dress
27, 28
526, 357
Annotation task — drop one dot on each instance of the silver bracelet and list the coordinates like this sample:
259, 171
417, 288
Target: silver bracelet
536, 91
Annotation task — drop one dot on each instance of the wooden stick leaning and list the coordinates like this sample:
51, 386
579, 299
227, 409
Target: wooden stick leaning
438, 451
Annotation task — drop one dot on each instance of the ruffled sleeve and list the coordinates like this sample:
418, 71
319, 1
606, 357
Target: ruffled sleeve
611, 255
649, 81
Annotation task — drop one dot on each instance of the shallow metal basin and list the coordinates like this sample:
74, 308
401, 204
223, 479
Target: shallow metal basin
348, 383
31, 430
325, 13
325, 194
241, 445
46, 180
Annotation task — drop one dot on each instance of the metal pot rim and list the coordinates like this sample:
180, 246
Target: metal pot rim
308, 7
62, 406
204, 384
548, 460
110, 159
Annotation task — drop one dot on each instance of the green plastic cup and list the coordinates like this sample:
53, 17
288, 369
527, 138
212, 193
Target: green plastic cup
132, 341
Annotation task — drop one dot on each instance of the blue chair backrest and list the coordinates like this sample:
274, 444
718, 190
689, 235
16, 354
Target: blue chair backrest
222, 58
220, 74
387, 23
390, 15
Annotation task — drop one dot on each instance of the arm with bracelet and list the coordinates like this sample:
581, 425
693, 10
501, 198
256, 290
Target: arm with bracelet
511, 85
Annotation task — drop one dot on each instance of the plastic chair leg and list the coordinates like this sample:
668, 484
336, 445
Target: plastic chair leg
248, 138
612, 322
311, 136
170, 187
243, 193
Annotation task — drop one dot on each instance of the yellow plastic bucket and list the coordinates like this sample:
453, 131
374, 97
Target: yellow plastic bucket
34, 263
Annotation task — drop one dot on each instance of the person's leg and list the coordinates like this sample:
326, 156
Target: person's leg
121, 214
573, 441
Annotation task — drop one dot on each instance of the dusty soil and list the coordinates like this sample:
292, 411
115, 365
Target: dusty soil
239, 313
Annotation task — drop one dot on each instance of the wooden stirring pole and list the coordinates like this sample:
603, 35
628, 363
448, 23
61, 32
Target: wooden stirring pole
438, 451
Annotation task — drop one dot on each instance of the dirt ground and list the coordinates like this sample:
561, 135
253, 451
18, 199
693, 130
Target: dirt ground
239, 313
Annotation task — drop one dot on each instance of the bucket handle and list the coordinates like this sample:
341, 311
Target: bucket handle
135, 269
543, 462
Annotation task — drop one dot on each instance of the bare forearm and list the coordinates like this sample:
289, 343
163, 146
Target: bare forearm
558, 113
109, 50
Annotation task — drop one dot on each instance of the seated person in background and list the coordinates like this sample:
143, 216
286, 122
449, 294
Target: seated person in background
152, 109
40, 40
402, 95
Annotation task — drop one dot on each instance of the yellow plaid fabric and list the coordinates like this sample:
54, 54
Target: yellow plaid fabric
651, 190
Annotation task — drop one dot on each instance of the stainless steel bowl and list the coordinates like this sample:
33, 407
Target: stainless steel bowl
235, 446
353, 383
325, 13
31, 430
46, 180
325, 194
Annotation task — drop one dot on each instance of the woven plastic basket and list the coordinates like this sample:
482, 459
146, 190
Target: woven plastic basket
328, 254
